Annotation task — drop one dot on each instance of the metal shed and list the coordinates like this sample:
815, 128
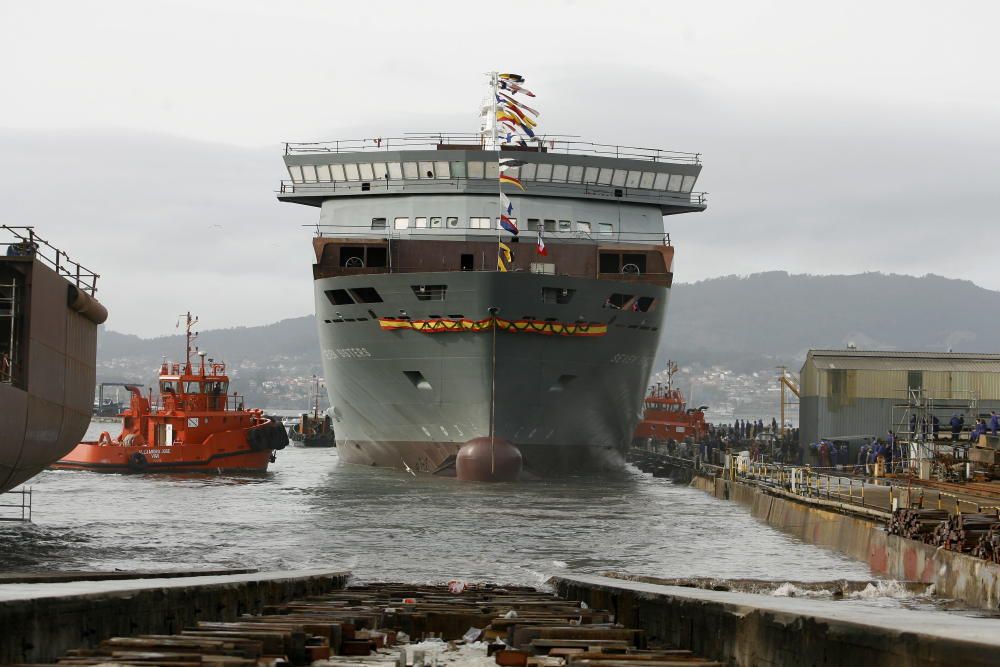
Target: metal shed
849, 392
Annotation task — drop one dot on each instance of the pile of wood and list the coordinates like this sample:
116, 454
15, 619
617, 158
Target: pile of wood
917, 524
371, 624
962, 531
989, 545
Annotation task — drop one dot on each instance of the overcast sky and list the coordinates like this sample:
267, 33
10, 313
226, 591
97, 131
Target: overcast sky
144, 138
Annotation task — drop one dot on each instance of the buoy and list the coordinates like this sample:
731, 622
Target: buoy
479, 460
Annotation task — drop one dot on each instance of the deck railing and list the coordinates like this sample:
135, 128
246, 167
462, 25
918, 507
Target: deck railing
549, 143
23, 242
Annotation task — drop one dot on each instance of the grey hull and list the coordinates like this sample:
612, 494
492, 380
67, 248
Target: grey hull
412, 399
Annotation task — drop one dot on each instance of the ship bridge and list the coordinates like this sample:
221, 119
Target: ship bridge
391, 205
449, 164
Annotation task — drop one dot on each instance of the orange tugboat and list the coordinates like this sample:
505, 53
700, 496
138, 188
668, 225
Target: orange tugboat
666, 416
194, 426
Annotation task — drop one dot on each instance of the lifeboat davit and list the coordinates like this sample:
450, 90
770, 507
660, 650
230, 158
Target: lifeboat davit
193, 425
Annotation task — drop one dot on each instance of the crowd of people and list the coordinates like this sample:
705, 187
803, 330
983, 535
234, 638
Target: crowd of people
761, 438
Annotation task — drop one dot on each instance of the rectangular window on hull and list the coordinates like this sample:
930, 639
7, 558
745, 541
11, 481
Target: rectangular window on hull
559, 295
366, 295
619, 301
338, 297
429, 292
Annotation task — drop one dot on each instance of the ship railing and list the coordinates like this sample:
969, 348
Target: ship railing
287, 187
229, 402
472, 234
26, 243
548, 143
541, 265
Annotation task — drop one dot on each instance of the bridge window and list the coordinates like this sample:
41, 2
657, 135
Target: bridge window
479, 223
618, 179
609, 262
475, 170
458, 170
590, 175
410, 170
661, 182
366, 295
401, 223
492, 170
528, 171
441, 169
675, 183
395, 170
544, 172
575, 174
647, 179
688, 184
426, 169
420, 223
632, 180
367, 173
378, 223
604, 177
295, 171
352, 256
337, 172
429, 292
380, 170
559, 172
323, 173
634, 259
351, 170
377, 256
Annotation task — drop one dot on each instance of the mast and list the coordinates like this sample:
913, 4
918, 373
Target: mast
189, 338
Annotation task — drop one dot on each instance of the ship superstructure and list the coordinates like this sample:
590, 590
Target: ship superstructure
426, 345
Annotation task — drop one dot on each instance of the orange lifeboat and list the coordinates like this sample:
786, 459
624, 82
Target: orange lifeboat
666, 416
194, 425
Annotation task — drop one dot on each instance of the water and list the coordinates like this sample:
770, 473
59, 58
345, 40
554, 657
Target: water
308, 511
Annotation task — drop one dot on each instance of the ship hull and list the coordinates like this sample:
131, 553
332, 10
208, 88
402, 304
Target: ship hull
45, 412
409, 399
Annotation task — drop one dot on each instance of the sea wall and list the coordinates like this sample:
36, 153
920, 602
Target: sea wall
955, 575
746, 630
41, 621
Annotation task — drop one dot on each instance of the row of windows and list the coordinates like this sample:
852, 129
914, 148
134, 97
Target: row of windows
538, 172
557, 295
453, 222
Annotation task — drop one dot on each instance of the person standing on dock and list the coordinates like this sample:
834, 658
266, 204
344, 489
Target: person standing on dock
863, 457
994, 423
956, 427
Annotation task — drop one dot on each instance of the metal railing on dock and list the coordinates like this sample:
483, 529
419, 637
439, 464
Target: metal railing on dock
16, 511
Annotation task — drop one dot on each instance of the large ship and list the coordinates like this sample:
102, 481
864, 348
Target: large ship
441, 329
48, 352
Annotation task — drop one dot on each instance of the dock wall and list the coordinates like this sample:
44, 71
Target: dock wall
955, 575
41, 621
745, 630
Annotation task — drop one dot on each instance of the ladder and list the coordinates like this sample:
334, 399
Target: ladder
8, 331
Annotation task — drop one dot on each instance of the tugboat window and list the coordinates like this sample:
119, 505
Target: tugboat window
193, 388
168, 387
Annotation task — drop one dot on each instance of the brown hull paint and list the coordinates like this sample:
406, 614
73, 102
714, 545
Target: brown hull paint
44, 418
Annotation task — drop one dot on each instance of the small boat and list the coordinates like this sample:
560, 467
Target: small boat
666, 416
193, 425
313, 430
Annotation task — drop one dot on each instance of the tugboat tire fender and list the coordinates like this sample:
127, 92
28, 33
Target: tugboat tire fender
137, 462
257, 439
278, 436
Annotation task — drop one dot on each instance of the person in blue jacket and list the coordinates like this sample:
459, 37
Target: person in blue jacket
956, 427
994, 422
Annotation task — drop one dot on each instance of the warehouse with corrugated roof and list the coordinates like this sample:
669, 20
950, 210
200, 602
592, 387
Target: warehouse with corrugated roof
845, 393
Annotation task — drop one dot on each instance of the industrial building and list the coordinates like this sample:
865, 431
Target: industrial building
850, 392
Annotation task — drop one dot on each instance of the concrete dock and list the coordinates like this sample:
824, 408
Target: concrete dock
745, 629
40, 621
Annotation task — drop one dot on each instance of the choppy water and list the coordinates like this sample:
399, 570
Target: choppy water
309, 511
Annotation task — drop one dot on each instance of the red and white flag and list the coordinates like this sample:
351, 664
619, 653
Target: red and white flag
540, 249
